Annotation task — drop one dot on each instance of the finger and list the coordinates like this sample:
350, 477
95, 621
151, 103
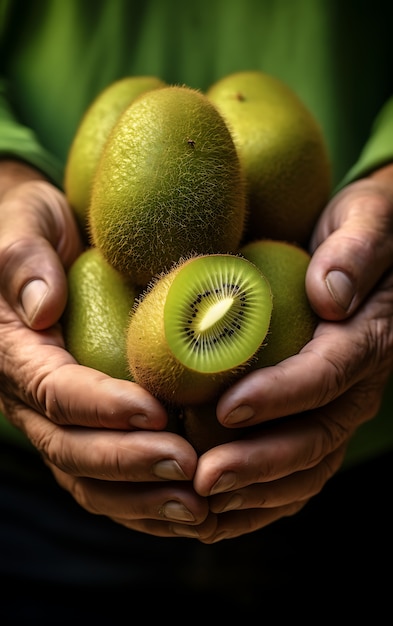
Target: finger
283, 448
352, 248
297, 487
137, 456
238, 523
338, 357
39, 239
80, 396
37, 371
129, 501
38, 288
107, 454
202, 531
278, 391
166, 509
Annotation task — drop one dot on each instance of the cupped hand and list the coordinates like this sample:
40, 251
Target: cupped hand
305, 410
141, 479
103, 438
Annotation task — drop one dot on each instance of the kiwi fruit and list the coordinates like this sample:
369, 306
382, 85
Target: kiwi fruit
196, 327
293, 320
283, 152
169, 184
91, 135
96, 316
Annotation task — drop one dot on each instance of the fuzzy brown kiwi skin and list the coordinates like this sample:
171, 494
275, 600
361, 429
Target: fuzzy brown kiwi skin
190, 198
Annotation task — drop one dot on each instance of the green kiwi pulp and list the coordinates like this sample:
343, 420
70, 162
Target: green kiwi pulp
198, 326
211, 318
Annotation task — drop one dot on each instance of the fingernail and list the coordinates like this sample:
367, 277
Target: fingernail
169, 470
341, 288
226, 482
240, 414
31, 297
236, 502
176, 511
186, 531
138, 420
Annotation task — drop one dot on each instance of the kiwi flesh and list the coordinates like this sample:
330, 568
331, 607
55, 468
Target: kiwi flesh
197, 327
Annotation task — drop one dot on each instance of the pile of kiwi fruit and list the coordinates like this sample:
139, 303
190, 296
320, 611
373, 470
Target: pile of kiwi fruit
194, 268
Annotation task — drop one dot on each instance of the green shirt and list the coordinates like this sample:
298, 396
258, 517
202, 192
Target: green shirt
57, 55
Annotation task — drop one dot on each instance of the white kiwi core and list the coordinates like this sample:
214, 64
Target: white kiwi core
215, 313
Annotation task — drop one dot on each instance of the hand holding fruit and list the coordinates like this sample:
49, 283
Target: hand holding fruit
38, 364
327, 391
179, 176
84, 423
333, 386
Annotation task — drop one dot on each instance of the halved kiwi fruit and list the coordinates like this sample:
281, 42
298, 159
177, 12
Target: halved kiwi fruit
197, 327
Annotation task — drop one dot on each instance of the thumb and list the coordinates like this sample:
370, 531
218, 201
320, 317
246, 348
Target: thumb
352, 248
39, 239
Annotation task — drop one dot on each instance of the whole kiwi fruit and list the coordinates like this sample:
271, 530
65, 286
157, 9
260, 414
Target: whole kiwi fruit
96, 316
283, 152
197, 327
169, 184
293, 320
91, 135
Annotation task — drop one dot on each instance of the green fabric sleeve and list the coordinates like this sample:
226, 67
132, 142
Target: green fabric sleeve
376, 436
20, 142
378, 150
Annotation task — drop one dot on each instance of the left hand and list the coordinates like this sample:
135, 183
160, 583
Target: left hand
307, 408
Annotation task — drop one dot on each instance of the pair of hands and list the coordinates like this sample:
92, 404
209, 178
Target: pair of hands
103, 438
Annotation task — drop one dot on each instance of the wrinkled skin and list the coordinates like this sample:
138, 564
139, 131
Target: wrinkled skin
102, 438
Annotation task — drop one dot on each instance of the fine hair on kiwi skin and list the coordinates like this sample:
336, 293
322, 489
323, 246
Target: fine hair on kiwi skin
169, 183
293, 320
197, 327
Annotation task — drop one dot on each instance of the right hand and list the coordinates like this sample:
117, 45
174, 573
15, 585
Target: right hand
86, 425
